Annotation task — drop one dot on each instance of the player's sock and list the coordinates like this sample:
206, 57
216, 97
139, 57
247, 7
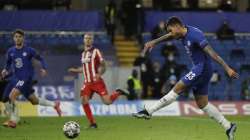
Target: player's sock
165, 100
114, 96
88, 113
214, 113
14, 112
45, 102
7, 108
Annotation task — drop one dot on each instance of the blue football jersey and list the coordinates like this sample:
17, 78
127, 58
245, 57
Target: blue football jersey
19, 61
194, 42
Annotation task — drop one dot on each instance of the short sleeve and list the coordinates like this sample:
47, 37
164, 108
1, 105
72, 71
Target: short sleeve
200, 39
32, 52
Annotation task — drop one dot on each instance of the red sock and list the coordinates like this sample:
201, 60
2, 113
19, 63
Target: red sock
88, 113
114, 96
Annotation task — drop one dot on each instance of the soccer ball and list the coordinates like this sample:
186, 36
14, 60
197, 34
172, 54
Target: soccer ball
71, 129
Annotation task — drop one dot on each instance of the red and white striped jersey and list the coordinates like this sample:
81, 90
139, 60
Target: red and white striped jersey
91, 60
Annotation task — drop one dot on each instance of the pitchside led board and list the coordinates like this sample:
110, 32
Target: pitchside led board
121, 108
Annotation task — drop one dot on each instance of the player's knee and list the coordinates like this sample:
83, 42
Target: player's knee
201, 105
107, 102
179, 87
85, 100
12, 97
34, 102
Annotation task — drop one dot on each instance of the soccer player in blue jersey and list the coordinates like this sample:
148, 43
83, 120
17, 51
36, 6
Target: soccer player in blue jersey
200, 52
19, 62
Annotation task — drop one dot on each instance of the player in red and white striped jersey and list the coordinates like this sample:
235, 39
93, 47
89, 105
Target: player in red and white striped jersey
93, 67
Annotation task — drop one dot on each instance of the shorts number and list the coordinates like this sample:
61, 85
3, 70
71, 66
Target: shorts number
190, 75
19, 63
20, 83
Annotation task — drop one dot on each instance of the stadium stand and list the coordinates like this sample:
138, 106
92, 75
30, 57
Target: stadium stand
58, 48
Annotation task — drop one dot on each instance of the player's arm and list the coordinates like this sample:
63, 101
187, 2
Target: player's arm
101, 70
210, 51
75, 70
149, 45
7, 65
102, 67
38, 57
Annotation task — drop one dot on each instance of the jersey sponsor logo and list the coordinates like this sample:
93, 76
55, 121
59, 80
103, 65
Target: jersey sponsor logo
18, 63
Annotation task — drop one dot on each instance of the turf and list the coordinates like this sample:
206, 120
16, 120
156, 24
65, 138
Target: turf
126, 128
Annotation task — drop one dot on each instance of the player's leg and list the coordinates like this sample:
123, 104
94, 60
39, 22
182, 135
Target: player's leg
86, 93
14, 118
10, 109
12, 112
108, 99
187, 81
7, 106
211, 110
169, 98
202, 102
6, 89
20, 87
44, 102
101, 89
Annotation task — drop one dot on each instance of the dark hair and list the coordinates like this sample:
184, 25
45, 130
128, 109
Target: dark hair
18, 31
89, 33
174, 21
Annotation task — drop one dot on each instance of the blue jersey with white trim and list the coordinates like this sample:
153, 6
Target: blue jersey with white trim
194, 43
19, 61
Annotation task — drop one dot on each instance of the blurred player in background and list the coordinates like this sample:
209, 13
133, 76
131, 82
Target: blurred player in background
93, 67
198, 78
19, 62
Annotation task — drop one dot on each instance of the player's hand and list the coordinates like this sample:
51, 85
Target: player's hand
4, 73
43, 72
97, 77
232, 74
148, 46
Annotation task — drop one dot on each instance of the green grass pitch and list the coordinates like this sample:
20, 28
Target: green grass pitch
127, 128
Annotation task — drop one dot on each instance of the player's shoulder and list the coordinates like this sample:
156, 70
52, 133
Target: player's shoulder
11, 49
195, 33
95, 49
195, 30
28, 48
